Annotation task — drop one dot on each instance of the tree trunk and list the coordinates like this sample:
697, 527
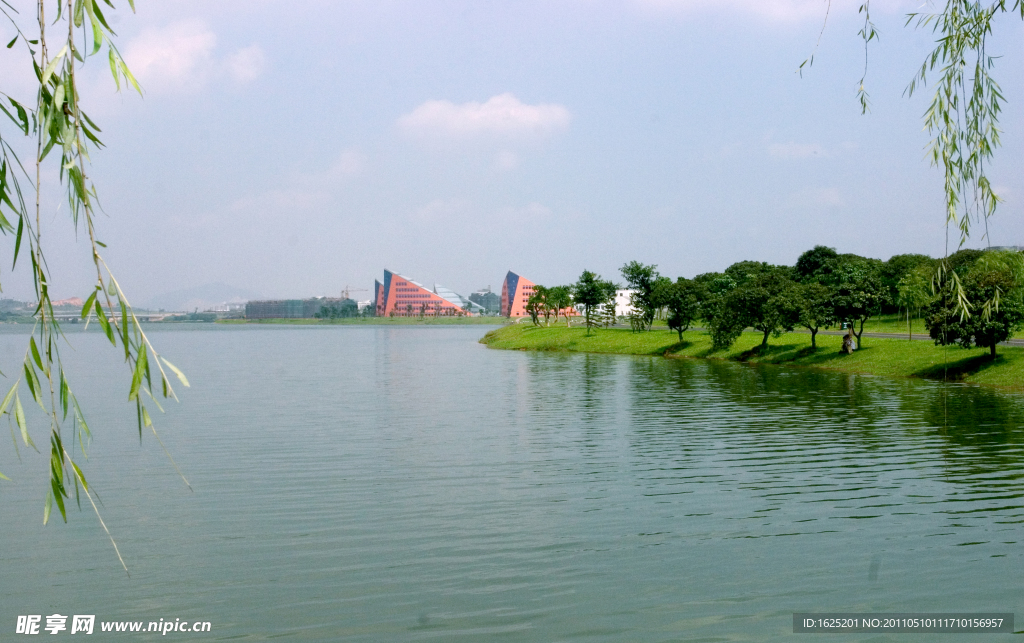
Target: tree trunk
992, 348
860, 344
814, 335
764, 342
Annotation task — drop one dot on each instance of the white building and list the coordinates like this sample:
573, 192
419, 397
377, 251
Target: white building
622, 306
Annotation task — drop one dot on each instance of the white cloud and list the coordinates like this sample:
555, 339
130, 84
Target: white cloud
178, 52
312, 190
182, 56
793, 150
503, 116
246, 65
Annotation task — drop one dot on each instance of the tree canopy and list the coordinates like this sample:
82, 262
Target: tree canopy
591, 292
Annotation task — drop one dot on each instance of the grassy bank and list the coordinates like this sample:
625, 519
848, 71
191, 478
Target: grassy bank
889, 357
881, 324
376, 321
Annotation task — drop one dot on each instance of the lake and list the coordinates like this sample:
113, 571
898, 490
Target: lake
357, 483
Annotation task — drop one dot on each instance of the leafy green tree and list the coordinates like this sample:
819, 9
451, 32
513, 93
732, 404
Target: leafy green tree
816, 264
662, 289
535, 304
857, 291
540, 295
560, 300
712, 289
682, 299
913, 292
895, 270
768, 302
643, 281
815, 309
744, 271
997, 277
590, 291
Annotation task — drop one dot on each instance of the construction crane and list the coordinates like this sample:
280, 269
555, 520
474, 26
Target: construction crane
345, 293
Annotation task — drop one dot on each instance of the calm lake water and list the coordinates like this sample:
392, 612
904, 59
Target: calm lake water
408, 484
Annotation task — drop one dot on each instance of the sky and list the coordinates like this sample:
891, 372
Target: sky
291, 149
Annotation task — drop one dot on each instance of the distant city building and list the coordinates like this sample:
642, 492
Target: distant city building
228, 307
73, 301
491, 302
460, 301
399, 296
363, 305
290, 308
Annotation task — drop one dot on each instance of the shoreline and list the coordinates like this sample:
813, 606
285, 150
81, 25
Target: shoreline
889, 357
370, 321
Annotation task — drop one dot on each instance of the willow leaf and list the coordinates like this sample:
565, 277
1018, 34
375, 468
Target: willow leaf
181, 376
50, 68
19, 418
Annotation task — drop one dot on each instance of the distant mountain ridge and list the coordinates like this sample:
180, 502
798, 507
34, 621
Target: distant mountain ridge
200, 297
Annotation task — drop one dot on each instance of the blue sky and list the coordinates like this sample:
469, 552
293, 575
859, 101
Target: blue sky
293, 148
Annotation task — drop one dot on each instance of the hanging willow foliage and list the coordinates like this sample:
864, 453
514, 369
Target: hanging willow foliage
78, 30
962, 117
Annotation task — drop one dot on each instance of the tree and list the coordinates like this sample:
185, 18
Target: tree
543, 305
590, 291
913, 293
682, 299
768, 302
642, 280
996, 277
560, 300
857, 291
816, 264
743, 271
346, 308
535, 304
712, 289
59, 125
898, 267
816, 310
607, 308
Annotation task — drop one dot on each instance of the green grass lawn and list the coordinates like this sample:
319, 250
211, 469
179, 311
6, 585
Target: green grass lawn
894, 324
889, 357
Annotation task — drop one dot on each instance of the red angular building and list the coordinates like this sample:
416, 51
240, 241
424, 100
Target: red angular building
515, 292
400, 296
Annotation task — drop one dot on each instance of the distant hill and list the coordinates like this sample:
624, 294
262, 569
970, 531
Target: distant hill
202, 297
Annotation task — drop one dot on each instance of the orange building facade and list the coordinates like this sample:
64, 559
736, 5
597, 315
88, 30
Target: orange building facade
400, 296
515, 292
